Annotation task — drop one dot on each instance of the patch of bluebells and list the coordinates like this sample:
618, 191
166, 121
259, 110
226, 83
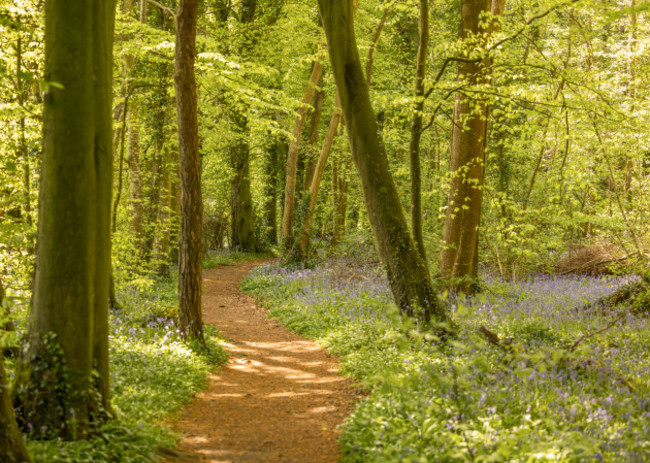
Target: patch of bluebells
541, 401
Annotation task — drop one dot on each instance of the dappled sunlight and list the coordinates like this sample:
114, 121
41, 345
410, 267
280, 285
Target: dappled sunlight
278, 398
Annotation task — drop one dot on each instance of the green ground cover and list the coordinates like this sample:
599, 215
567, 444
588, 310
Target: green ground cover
551, 388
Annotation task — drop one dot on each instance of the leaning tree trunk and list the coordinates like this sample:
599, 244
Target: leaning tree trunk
57, 394
458, 263
316, 177
408, 274
191, 239
12, 447
292, 156
416, 128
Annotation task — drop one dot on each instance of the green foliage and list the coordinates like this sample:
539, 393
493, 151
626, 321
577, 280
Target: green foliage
221, 257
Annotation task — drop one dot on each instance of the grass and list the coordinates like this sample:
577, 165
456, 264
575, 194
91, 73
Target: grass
538, 396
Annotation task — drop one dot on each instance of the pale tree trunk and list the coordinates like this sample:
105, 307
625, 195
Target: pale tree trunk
191, 239
292, 156
341, 197
55, 394
458, 263
136, 205
312, 146
416, 128
408, 274
12, 447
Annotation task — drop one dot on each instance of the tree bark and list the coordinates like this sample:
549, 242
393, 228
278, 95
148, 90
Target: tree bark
292, 156
271, 189
314, 186
408, 274
56, 395
162, 243
12, 447
191, 240
416, 128
458, 263
242, 234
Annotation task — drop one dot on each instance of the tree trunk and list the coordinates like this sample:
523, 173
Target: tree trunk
408, 274
191, 239
292, 156
416, 128
312, 148
317, 176
56, 395
242, 235
12, 447
458, 263
271, 190
136, 204
162, 242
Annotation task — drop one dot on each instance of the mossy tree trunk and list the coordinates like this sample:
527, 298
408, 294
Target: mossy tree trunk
416, 128
459, 259
242, 234
191, 214
408, 274
56, 393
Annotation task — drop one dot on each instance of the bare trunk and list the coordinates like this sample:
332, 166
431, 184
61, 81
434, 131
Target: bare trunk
191, 239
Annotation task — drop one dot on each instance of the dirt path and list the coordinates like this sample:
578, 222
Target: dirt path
277, 399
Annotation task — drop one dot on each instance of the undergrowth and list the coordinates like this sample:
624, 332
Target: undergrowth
550, 381
153, 373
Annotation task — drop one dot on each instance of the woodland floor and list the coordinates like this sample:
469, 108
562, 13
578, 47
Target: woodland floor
279, 398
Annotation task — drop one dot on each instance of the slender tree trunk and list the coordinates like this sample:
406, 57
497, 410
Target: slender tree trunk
467, 165
271, 189
162, 242
312, 147
55, 392
22, 144
191, 239
242, 234
136, 204
408, 274
416, 128
292, 156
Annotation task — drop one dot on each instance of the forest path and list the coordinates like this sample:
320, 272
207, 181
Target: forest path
279, 398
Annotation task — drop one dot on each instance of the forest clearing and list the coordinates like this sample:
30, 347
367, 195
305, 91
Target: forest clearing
324, 230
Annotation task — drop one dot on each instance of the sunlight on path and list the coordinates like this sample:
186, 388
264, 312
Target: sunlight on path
279, 397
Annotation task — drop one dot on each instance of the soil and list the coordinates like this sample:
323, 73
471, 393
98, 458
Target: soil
279, 398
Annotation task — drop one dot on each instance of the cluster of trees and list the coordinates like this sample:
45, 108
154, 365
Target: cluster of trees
510, 132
